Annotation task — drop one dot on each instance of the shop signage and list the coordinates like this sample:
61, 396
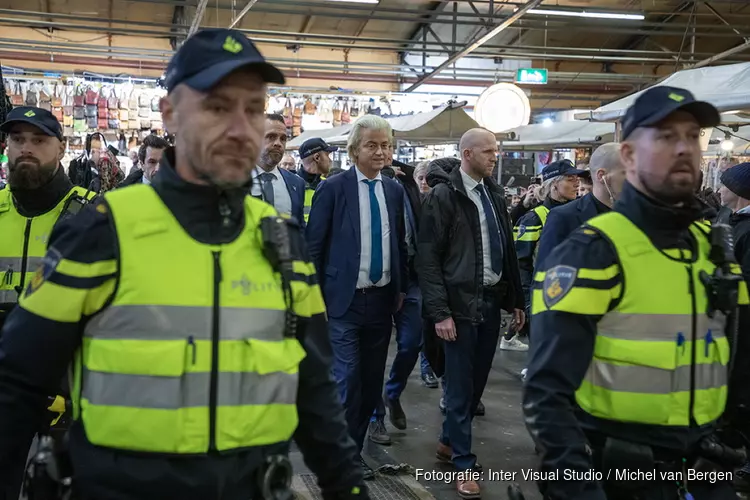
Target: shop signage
531, 75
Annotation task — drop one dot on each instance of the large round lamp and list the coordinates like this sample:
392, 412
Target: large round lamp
502, 107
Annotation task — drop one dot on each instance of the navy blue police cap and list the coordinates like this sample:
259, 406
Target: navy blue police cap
737, 180
211, 54
558, 168
315, 145
38, 117
657, 103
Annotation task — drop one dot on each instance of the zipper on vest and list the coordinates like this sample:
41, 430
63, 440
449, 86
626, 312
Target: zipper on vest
694, 338
24, 263
213, 396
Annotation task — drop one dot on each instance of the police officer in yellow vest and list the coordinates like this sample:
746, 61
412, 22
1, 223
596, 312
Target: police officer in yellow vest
190, 312
316, 162
629, 365
559, 186
37, 194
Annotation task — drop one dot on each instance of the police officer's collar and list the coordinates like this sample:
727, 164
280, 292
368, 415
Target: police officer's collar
36, 202
309, 178
648, 213
196, 207
550, 203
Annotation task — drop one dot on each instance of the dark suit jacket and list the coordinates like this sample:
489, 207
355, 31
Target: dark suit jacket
333, 238
561, 222
295, 185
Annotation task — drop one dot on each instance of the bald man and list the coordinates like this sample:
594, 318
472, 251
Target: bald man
607, 176
465, 219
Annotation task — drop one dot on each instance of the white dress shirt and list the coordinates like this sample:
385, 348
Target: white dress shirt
363, 280
281, 199
490, 277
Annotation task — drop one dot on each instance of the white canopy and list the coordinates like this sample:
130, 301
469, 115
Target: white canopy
322, 133
572, 134
726, 87
441, 125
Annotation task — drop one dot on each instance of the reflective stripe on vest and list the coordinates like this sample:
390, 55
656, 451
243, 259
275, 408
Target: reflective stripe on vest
309, 193
643, 354
146, 365
532, 233
14, 228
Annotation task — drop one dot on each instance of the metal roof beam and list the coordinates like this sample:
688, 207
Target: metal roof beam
476, 44
635, 41
198, 17
242, 13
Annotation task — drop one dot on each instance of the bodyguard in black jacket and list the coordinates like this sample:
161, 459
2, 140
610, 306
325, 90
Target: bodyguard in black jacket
468, 272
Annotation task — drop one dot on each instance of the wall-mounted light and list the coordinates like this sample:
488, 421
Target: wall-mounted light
727, 144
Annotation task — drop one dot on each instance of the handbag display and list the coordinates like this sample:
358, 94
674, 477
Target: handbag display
91, 97
45, 100
123, 115
113, 102
101, 123
67, 120
287, 113
90, 111
16, 98
143, 100
144, 112
345, 116
78, 98
337, 113
146, 124
68, 131
31, 96
113, 124
79, 113
102, 112
133, 101
123, 102
102, 102
134, 124
58, 113
57, 101
91, 122
155, 104
79, 125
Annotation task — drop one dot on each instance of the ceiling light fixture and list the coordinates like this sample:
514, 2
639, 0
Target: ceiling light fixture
583, 13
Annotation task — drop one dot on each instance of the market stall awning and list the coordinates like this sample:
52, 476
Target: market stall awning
322, 133
442, 125
723, 86
572, 134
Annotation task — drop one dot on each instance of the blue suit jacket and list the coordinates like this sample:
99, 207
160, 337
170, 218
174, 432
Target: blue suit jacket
561, 222
296, 188
333, 238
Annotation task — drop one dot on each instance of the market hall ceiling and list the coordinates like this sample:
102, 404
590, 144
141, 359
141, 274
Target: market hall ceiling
360, 44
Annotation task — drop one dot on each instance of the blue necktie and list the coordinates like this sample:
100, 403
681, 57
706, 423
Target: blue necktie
376, 236
410, 219
496, 247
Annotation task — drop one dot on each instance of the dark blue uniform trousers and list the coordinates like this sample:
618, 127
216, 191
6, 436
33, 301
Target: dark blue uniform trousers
468, 360
409, 341
360, 339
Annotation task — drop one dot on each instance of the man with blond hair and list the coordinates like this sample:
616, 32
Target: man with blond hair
607, 176
356, 238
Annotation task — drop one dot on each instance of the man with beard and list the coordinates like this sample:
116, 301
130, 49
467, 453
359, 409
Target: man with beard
198, 350
37, 194
628, 367
278, 187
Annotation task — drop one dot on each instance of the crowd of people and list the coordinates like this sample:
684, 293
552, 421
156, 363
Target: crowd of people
220, 302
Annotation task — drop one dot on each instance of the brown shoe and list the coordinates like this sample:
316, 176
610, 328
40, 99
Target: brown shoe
468, 489
443, 453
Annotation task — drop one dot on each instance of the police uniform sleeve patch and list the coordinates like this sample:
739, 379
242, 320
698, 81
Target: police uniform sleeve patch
558, 281
49, 263
521, 231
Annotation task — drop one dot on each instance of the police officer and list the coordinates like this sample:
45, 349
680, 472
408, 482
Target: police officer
628, 368
180, 305
559, 186
316, 162
37, 194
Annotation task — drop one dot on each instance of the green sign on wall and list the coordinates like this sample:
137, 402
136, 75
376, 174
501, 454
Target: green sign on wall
531, 75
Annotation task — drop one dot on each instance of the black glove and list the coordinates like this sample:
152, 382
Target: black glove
354, 493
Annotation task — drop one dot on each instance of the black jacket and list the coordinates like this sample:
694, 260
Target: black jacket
28, 372
739, 393
563, 347
449, 255
134, 177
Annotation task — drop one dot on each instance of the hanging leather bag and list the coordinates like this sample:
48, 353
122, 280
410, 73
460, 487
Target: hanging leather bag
91, 97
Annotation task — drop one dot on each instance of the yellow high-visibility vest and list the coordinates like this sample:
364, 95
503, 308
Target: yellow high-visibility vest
309, 193
532, 233
658, 343
190, 356
23, 241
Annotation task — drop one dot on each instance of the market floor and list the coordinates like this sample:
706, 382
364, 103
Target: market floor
500, 439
